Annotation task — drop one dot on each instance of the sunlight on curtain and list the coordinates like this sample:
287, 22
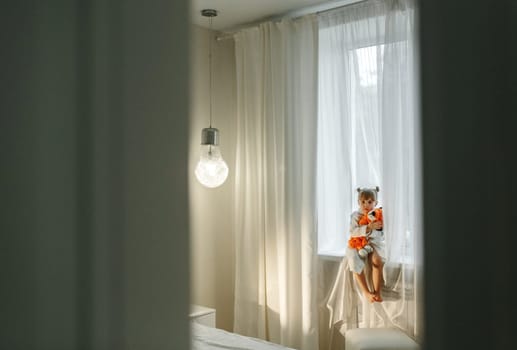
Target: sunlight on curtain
368, 135
275, 172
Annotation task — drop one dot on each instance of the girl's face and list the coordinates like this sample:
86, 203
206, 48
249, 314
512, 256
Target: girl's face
367, 204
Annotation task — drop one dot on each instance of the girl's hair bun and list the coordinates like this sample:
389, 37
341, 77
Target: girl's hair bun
368, 192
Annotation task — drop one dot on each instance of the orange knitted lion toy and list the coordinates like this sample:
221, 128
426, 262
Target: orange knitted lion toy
361, 242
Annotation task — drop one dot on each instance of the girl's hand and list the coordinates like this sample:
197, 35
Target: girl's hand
375, 225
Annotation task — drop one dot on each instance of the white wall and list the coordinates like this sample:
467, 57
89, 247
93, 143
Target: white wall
211, 210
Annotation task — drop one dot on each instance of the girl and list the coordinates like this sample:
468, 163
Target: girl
367, 200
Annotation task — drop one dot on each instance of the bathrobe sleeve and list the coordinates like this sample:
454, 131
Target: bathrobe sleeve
355, 229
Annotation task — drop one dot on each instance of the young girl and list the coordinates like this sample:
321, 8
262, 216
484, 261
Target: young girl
367, 200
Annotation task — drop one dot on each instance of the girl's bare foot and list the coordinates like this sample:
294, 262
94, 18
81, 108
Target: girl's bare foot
370, 297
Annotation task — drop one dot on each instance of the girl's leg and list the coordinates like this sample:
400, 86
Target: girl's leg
377, 274
364, 287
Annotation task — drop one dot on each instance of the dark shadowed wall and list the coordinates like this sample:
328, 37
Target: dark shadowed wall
469, 112
93, 144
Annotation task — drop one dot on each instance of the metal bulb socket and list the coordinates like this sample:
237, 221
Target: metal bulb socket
210, 136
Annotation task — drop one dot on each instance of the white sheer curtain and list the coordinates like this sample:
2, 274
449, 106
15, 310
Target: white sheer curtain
369, 135
275, 287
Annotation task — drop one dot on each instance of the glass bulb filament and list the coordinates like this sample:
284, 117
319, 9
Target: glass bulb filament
211, 169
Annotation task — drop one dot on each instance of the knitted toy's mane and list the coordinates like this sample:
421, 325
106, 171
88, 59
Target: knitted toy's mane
365, 219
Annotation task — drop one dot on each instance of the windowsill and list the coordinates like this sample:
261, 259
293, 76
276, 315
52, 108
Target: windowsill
338, 255
332, 255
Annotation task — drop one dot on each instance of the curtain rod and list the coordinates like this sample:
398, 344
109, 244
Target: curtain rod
342, 4
326, 7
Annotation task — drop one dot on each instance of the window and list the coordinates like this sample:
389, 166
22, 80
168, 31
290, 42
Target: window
367, 130
363, 163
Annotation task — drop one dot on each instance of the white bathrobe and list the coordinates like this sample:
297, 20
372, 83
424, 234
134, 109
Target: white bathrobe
375, 239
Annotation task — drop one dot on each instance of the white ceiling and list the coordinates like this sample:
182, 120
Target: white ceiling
233, 14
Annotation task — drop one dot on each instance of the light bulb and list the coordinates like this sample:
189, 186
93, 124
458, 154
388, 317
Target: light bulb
211, 170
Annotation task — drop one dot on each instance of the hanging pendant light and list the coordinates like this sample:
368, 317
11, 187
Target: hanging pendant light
211, 170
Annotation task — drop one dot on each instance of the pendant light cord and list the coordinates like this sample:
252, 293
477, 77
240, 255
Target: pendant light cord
210, 67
